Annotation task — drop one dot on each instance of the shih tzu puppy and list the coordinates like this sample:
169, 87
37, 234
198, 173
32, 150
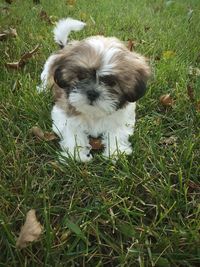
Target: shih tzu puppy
96, 82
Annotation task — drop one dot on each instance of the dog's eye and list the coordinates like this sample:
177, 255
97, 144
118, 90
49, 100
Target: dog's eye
108, 80
82, 75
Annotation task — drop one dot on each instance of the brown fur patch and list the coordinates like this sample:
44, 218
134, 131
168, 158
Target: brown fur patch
78, 58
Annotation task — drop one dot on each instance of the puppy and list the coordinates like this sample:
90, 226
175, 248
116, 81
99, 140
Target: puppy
96, 82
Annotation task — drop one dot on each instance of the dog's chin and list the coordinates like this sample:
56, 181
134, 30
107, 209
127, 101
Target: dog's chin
96, 109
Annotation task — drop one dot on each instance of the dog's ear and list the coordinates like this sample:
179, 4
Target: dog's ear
138, 89
133, 75
60, 79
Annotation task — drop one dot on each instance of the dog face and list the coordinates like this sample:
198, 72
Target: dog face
99, 75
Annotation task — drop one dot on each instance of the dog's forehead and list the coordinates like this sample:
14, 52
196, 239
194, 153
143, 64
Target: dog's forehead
99, 53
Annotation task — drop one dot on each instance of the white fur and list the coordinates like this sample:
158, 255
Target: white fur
114, 128
63, 29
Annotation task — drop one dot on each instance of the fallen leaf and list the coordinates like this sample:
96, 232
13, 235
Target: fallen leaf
9, 1
96, 143
49, 136
130, 45
37, 132
4, 10
40, 134
43, 15
190, 92
15, 65
168, 140
7, 34
24, 58
65, 235
168, 54
71, 3
166, 100
30, 231
83, 16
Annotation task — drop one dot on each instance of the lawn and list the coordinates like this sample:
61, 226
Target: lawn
144, 210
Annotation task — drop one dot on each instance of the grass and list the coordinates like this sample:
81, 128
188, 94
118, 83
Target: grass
143, 211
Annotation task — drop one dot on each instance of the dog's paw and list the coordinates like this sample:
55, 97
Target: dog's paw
83, 157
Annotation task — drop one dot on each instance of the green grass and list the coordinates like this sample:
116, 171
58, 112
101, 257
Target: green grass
143, 211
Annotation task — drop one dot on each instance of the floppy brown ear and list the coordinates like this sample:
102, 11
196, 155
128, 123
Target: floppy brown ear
60, 78
139, 87
133, 75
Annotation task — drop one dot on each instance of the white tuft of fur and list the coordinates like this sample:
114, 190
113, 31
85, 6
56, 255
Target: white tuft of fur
63, 29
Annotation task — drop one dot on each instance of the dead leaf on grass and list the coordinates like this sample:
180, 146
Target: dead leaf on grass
4, 10
168, 54
168, 140
166, 100
4, 35
30, 231
24, 58
45, 17
96, 143
71, 3
131, 45
9, 1
40, 134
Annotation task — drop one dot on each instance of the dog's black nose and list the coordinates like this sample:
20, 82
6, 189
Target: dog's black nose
92, 95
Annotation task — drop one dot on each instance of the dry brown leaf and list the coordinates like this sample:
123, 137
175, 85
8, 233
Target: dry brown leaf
7, 34
40, 134
24, 58
131, 45
43, 15
4, 10
168, 54
166, 100
9, 1
65, 235
71, 3
168, 140
37, 131
30, 231
96, 143
49, 136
